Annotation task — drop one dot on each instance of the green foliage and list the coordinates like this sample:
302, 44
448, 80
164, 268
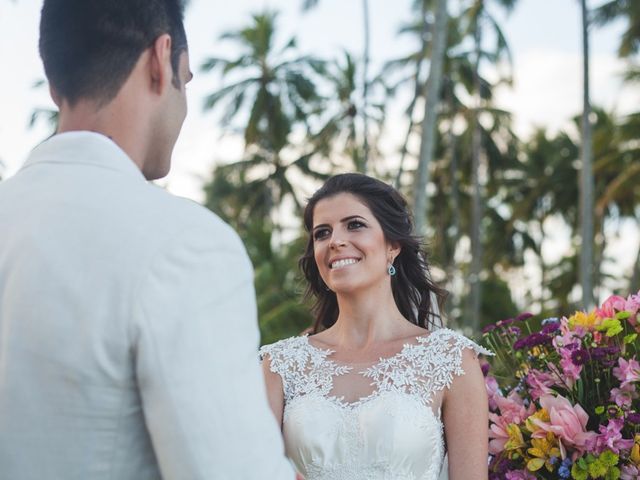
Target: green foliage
496, 301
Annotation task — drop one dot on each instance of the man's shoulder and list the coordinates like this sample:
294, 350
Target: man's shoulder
183, 215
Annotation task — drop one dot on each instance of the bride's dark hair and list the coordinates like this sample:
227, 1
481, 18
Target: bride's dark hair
413, 289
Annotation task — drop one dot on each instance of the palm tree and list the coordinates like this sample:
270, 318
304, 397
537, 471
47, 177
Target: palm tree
450, 167
586, 174
432, 96
622, 9
273, 93
538, 189
478, 15
308, 5
338, 136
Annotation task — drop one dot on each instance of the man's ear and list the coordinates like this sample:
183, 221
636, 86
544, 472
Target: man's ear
160, 70
54, 96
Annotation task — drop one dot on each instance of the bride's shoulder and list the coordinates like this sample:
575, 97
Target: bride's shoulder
452, 341
286, 347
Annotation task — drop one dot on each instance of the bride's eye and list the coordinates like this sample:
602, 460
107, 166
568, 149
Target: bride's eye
355, 225
320, 233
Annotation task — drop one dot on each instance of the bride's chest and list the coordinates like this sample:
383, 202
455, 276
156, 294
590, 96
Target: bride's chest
383, 422
392, 434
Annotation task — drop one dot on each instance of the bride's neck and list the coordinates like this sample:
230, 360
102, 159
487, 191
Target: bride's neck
367, 319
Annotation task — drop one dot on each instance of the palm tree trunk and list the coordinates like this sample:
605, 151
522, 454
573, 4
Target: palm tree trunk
634, 285
432, 96
475, 294
452, 149
365, 86
586, 177
598, 257
416, 95
543, 266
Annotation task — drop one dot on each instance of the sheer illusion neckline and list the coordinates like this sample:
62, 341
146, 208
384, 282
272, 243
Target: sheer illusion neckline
328, 352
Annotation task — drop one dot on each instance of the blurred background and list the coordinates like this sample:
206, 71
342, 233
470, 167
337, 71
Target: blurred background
511, 126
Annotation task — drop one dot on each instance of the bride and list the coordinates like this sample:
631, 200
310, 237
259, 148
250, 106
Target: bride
377, 392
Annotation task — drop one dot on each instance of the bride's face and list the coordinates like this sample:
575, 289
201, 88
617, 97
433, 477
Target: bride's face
349, 245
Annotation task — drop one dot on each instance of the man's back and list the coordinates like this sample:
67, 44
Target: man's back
119, 305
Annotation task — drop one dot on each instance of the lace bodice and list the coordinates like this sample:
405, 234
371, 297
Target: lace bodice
377, 421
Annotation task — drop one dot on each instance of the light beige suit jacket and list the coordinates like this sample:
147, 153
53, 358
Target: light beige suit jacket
128, 336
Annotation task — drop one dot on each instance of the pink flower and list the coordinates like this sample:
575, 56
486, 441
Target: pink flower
540, 383
633, 306
610, 437
627, 372
512, 408
610, 306
498, 435
571, 370
567, 422
512, 411
624, 396
493, 390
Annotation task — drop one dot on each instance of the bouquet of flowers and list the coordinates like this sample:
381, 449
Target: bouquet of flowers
564, 399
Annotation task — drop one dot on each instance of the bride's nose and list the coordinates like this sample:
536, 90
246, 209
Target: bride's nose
337, 241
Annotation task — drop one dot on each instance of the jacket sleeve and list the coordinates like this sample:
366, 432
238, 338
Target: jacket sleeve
196, 339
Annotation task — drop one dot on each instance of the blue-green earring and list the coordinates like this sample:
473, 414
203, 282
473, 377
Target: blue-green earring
391, 270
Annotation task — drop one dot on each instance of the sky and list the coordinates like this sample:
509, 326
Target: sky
544, 36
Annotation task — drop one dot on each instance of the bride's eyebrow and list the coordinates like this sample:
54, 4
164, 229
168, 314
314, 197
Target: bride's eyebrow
342, 220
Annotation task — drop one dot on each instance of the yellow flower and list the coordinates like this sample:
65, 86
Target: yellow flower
586, 320
515, 441
543, 450
541, 415
635, 451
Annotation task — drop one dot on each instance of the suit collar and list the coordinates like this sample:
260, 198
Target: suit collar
85, 148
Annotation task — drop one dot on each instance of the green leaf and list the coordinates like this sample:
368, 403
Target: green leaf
535, 464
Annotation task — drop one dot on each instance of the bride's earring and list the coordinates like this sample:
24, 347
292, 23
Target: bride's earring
391, 270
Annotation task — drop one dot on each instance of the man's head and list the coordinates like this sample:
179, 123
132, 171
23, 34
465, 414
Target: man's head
95, 51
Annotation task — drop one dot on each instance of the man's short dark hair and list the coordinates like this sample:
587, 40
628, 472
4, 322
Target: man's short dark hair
89, 47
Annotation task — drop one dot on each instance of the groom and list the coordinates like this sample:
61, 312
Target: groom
128, 338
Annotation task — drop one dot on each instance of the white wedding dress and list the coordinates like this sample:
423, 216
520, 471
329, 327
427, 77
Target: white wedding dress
376, 421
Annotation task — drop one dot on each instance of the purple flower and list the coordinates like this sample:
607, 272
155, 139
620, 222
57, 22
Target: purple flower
523, 316
515, 331
505, 322
489, 328
531, 341
580, 357
629, 472
519, 475
633, 418
485, 369
520, 344
550, 328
